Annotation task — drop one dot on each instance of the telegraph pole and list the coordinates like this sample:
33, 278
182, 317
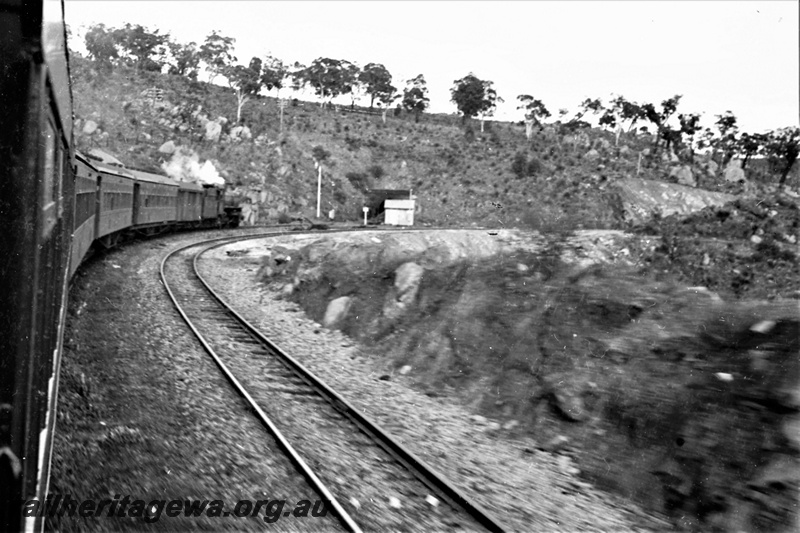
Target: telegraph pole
319, 187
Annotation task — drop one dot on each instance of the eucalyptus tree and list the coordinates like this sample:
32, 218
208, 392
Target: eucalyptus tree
184, 59
217, 54
690, 125
273, 74
101, 45
474, 96
328, 77
245, 82
376, 80
535, 112
783, 147
415, 96
142, 48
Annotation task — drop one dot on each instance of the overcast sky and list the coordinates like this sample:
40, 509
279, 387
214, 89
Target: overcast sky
742, 56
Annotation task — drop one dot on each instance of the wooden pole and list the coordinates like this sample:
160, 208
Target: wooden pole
319, 188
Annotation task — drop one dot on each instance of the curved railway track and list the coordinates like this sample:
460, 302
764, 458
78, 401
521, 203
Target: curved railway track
281, 392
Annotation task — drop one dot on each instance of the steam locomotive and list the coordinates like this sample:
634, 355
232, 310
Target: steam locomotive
55, 204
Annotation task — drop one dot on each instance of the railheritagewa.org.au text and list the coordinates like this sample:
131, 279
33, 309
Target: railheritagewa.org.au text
153, 510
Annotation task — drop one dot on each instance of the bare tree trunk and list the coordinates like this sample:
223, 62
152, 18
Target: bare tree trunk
529, 128
241, 99
789, 163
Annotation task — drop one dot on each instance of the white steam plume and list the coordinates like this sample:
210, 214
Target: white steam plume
185, 166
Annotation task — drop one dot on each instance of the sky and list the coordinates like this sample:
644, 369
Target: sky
741, 55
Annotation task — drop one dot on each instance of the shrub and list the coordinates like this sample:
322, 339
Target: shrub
768, 249
284, 218
359, 180
519, 165
376, 171
353, 143
319, 153
339, 195
534, 167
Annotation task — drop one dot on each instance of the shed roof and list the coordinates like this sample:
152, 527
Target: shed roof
398, 204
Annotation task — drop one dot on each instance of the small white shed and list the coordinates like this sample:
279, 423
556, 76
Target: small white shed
399, 212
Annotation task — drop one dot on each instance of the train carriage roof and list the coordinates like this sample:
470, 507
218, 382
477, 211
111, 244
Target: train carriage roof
98, 166
85, 160
141, 175
114, 171
190, 186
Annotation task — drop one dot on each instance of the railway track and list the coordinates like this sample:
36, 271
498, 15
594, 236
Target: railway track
371, 481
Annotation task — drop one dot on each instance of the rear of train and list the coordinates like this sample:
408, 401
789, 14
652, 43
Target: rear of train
36, 221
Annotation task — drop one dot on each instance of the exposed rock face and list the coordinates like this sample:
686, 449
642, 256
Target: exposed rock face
89, 127
734, 172
213, 131
710, 166
642, 198
241, 133
407, 278
602, 144
565, 394
278, 261
684, 175
428, 250
336, 311
406, 285
167, 148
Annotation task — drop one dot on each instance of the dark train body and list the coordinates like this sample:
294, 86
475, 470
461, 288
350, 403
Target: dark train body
55, 205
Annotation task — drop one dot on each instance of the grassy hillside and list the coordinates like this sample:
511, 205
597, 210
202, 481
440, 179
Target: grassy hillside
459, 174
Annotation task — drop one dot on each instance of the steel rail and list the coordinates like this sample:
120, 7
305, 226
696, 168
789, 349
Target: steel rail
346, 520
424, 472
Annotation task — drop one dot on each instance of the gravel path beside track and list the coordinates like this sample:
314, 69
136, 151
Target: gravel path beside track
144, 412
528, 489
